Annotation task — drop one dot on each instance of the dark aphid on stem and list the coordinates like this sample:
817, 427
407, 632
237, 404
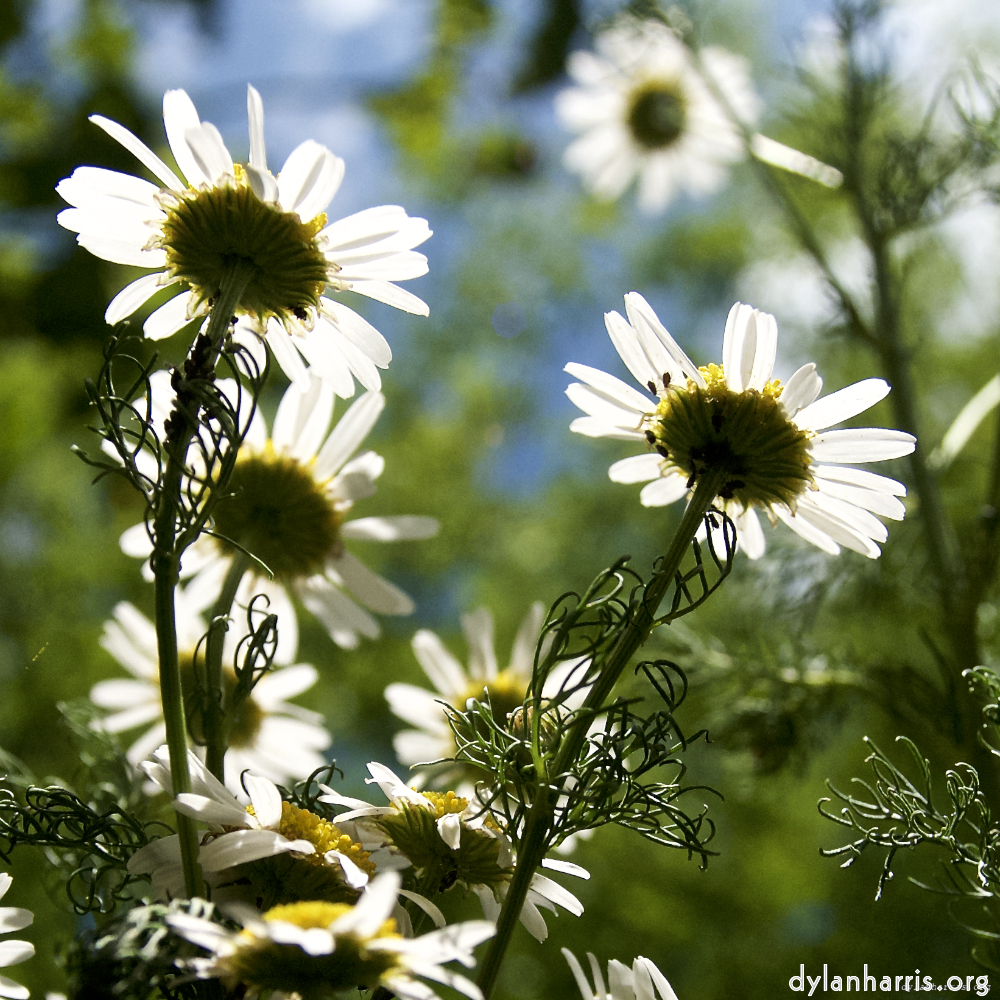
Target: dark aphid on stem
652, 385
729, 489
661, 451
650, 438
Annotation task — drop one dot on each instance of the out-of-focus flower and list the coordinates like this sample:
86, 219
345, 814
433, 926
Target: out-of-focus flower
646, 110
452, 841
13, 918
291, 492
270, 736
318, 949
189, 231
767, 438
636, 983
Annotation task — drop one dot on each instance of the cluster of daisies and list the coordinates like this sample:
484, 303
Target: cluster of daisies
330, 895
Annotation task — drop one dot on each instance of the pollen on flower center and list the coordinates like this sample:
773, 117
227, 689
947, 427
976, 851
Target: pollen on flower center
266, 964
280, 514
301, 824
207, 230
658, 114
746, 435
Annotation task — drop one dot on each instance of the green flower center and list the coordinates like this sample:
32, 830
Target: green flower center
267, 965
207, 231
658, 115
746, 435
247, 720
413, 830
280, 514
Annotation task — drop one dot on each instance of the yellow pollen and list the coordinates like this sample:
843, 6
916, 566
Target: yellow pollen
446, 802
319, 914
300, 824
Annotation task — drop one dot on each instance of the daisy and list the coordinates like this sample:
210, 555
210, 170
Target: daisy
292, 492
451, 841
269, 735
13, 918
645, 111
636, 983
454, 684
770, 441
315, 949
266, 850
188, 231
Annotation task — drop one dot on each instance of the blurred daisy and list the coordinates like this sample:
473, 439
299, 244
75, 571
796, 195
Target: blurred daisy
769, 440
270, 736
636, 983
188, 231
13, 918
292, 491
455, 684
317, 949
451, 841
645, 111
265, 850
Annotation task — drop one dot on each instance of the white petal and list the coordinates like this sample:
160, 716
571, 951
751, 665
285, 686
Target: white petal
321, 348
855, 517
248, 845
876, 501
353, 875
180, 115
358, 331
597, 427
341, 617
131, 297
637, 469
372, 909
767, 346
646, 323
140, 151
368, 587
586, 993
14, 952
629, 349
121, 252
169, 318
606, 408
309, 180
749, 534
92, 187
427, 906
441, 668
255, 118
449, 828
289, 682
808, 531
15, 918
733, 344
662, 491
533, 921
393, 295
418, 707
302, 419
266, 800
553, 891
13, 990
135, 541
566, 867
842, 405
351, 430
860, 477
210, 152
801, 389
863, 444
209, 811
612, 387
391, 529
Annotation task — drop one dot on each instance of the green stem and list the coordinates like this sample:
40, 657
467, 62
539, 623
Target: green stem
216, 729
533, 844
165, 563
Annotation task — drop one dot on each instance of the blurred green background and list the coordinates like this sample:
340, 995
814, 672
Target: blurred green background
445, 106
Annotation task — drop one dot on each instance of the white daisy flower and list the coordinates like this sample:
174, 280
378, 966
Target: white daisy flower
298, 854
185, 232
645, 111
315, 948
643, 981
450, 840
455, 684
771, 441
270, 736
293, 490
13, 918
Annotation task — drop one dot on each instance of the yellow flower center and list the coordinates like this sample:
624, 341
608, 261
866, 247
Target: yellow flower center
300, 824
657, 114
207, 230
318, 914
506, 693
279, 513
746, 435
446, 802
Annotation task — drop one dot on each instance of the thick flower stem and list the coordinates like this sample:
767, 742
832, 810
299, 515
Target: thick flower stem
166, 561
215, 702
538, 827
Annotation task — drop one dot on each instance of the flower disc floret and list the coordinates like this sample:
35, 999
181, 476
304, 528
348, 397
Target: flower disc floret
206, 231
281, 514
265, 963
745, 435
657, 114
301, 824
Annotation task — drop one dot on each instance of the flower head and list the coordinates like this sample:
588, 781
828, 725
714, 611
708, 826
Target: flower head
190, 230
265, 851
636, 983
292, 491
450, 840
268, 735
645, 111
13, 918
319, 950
455, 684
768, 443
